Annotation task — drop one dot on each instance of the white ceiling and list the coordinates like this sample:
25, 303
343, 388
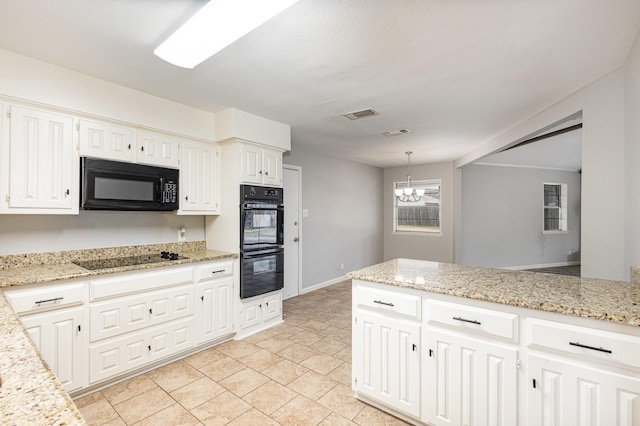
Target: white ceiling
456, 73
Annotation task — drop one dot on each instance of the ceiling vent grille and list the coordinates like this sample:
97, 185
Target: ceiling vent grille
398, 132
364, 113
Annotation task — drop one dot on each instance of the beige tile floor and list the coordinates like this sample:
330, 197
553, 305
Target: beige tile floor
297, 373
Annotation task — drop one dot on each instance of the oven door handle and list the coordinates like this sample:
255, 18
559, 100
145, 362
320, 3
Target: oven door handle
255, 206
259, 254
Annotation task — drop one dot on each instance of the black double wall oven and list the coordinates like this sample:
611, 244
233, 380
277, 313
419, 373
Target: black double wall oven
261, 240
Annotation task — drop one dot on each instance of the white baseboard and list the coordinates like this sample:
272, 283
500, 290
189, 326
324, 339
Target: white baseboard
545, 265
323, 284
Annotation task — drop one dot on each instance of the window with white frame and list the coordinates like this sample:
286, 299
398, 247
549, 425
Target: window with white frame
555, 207
422, 216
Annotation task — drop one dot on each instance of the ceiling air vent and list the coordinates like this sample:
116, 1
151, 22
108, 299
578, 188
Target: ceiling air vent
396, 132
356, 115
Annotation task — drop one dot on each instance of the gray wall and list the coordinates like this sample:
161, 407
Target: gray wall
502, 217
632, 156
422, 246
93, 229
344, 200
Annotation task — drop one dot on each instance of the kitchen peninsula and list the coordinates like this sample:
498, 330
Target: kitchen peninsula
30, 393
440, 343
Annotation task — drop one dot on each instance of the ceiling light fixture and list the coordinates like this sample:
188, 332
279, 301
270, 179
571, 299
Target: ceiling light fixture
408, 194
218, 24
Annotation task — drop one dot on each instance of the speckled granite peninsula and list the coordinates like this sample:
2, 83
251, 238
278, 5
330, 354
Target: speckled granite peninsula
29, 392
614, 301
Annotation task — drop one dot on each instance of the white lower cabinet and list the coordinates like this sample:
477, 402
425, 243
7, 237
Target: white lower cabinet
132, 350
59, 336
566, 393
486, 364
214, 309
469, 381
386, 363
100, 330
260, 312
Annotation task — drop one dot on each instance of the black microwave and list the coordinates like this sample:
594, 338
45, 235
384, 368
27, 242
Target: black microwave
114, 185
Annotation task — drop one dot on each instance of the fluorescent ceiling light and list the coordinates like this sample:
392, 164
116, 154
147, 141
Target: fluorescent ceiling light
218, 24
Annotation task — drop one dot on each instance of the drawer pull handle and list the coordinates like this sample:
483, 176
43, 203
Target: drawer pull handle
467, 320
218, 271
593, 348
380, 302
55, 299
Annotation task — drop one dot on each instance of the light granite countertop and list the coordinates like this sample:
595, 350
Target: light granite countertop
614, 301
30, 394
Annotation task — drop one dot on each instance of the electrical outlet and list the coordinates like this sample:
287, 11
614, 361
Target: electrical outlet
182, 234
342, 266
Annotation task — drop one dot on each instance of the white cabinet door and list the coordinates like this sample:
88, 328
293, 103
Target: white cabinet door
59, 336
260, 166
43, 165
214, 309
386, 361
199, 178
272, 306
271, 167
566, 393
107, 141
251, 164
158, 149
468, 381
251, 312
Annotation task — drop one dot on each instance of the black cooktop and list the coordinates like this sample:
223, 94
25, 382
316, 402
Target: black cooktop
117, 262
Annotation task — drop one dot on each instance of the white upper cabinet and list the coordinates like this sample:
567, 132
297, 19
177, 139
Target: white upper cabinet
199, 178
107, 141
158, 149
43, 165
260, 166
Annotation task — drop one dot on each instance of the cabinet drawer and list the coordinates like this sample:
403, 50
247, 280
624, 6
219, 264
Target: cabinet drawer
135, 282
585, 342
470, 318
387, 301
42, 298
214, 270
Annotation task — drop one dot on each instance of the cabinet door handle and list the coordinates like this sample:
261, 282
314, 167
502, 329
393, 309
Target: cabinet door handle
150, 311
467, 320
67, 192
79, 328
149, 347
186, 198
55, 299
415, 347
534, 383
267, 173
129, 146
142, 148
202, 298
593, 348
430, 353
380, 302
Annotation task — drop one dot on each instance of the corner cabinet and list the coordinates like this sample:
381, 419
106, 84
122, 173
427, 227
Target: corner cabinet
42, 164
260, 165
55, 318
199, 178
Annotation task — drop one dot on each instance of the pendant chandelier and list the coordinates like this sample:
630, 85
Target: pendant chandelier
408, 194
